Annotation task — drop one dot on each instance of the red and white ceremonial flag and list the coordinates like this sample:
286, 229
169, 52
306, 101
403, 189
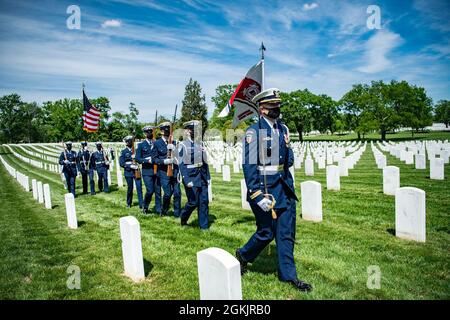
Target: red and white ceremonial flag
250, 86
91, 115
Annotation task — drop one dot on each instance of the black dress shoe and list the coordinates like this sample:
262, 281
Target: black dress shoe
145, 211
301, 285
183, 222
242, 262
128, 206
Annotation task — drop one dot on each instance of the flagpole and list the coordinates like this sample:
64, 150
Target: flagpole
262, 66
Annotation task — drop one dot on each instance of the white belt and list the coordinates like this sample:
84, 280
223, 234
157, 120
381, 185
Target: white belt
196, 165
270, 169
129, 162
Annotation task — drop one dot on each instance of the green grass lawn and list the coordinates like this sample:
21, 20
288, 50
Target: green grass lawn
357, 231
432, 135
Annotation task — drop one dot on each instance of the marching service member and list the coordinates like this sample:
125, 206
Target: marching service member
100, 162
84, 158
267, 158
131, 171
145, 156
168, 170
68, 159
195, 172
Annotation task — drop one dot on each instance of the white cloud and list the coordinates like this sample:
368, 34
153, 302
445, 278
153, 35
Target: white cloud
377, 48
113, 23
310, 6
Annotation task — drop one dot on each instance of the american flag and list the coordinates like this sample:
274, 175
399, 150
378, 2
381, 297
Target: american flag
91, 115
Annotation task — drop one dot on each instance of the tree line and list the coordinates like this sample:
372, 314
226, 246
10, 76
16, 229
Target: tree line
375, 107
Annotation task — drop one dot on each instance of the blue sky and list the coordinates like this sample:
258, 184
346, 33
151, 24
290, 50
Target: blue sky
146, 51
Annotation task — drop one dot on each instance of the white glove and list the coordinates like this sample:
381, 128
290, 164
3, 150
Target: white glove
168, 161
149, 159
133, 166
190, 184
265, 204
133, 156
66, 161
170, 146
107, 162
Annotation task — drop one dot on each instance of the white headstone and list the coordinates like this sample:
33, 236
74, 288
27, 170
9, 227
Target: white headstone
391, 180
421, 162
333, 178
311, 200
119, 177
210, 194
219, 275
226, 174
34, 189
381, 161
133, 262
409, 157
70, 211
235, 167
292, 171
309, 167
410, 214
343, 167
437, 169
40, 191
244, 203
47, 196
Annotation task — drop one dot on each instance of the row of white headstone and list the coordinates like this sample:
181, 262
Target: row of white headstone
41, 192
436, 164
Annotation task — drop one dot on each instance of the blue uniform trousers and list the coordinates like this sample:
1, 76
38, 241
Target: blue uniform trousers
197, 198
91, 181
138, 183
152, 185
70, 179
283, 230
170, 187
103, 181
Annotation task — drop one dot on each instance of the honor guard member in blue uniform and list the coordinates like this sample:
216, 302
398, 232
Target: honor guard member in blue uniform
126, 161
195, 172
267, 158
170, 185
145, 155
68, 159
100, 163
84, 158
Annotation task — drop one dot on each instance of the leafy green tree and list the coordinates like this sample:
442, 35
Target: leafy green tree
194, 105
295, 107
442, 112
11, 121
324, 112
354, 105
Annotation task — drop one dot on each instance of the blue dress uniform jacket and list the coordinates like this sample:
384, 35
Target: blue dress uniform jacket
193, 164
278, 158
69, 170
145, 154
195, 171
269, 146
170, 185
125, 161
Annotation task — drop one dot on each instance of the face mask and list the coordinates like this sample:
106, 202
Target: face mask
166, 133
69, 148
99, 148
274, 113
